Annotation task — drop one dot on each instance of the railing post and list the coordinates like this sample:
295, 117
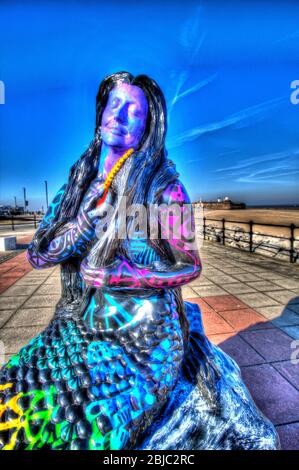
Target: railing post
12, 222
250, 236
204, 228
223, 231
292, 240
34, 218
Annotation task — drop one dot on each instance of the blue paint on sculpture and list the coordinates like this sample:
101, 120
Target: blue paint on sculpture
124, 363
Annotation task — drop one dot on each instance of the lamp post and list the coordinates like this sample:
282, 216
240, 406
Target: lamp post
25, 200
46, 187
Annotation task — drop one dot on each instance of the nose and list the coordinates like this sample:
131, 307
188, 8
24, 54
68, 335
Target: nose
121, 114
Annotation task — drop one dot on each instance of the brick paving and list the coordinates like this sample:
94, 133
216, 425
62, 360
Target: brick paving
250, 309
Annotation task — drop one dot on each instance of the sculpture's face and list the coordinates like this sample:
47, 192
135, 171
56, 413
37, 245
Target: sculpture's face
124, 117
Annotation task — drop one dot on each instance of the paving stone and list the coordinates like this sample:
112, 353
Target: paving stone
272, 393
204, 307
18, 290
287, 283
239, 350
255, 268
238, 288
220, 338
221, 279
209, 274
4, 316
225, 302
272, 344
14, 339
263, 286
4, 268
51, 281
233, 270
242, 319
11, 303
201, 281
56, 289
56, 275
205, 291
36, 275
20, 270
289, 436
256, 299
213, 323
5, 284
41, 301
294, 307
284, 296
270, 275
187, 292
274, 311
24, 281
246, 277
289, 371
9, 276
292, 331
31, 317
287, 318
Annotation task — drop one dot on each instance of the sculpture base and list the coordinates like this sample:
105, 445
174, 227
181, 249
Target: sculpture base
210, 407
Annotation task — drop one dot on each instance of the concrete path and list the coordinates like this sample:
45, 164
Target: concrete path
250, 308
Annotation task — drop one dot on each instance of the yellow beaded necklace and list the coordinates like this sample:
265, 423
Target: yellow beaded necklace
116, 167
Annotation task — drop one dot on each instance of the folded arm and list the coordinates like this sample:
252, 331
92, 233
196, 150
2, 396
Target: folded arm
177, 230
73, 240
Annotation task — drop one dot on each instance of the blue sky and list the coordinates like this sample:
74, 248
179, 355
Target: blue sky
225, 69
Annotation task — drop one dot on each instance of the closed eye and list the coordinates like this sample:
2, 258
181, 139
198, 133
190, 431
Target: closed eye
135, 111
114, 103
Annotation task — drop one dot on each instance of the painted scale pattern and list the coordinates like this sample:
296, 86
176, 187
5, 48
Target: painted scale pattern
72, 389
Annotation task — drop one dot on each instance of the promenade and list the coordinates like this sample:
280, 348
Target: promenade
250, 308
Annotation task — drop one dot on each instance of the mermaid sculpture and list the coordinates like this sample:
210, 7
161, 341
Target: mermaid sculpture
124, 363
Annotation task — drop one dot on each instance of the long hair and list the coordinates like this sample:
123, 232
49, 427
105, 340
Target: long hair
142, 178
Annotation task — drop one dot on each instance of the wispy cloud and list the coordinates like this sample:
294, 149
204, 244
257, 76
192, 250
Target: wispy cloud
242, 116
192, 34
190, 39
270, 177
178, 96
269, 157
277, 166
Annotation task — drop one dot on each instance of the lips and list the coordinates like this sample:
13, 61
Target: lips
116, 129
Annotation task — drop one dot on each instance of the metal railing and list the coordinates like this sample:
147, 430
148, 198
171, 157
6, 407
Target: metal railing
13, 221
225, 235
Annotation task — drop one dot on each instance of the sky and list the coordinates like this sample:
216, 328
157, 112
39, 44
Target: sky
225, 68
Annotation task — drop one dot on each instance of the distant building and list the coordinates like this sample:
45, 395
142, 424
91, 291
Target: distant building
11, 210
220, 204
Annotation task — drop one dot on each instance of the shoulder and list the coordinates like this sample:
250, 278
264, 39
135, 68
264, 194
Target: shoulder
59, 195
175, 193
